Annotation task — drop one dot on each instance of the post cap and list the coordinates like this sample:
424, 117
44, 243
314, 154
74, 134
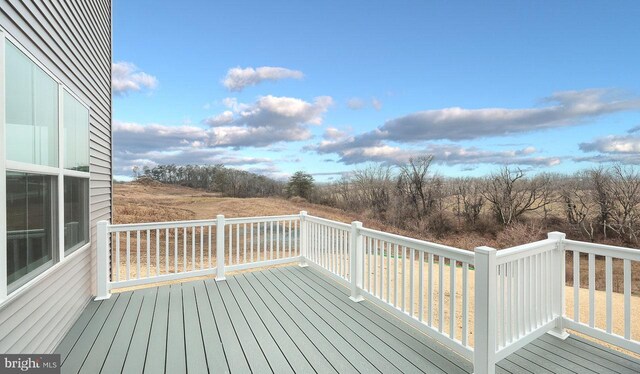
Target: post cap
484, 250
557, 235
303, 212
357, 224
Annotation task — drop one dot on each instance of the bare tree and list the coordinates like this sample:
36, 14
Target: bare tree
373, 187
624, 188
418, 187
600, 185
469, 199
581, 210
511, 194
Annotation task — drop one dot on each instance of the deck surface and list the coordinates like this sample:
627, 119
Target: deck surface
283, 320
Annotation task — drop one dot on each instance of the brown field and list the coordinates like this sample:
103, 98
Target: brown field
136, 203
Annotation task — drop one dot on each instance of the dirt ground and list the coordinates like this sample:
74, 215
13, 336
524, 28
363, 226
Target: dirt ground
136, 203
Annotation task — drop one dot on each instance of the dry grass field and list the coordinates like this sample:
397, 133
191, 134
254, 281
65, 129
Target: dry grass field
136, 203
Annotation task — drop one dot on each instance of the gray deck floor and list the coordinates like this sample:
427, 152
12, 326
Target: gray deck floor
283, 320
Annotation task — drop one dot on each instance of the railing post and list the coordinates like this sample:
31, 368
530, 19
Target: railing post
102, 262
558, 284
484, 354
355, 260
220, 248
303, 239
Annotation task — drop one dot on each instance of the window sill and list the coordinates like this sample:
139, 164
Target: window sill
15, 294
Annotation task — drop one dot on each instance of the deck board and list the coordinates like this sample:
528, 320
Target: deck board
98, 354
82, 347
542, 361
414, 340
216, 358
287, 319
275, 316
295, 358
335, 326
382, 344
140, 336
250, 345
236, 358
176, 359
116, 356
272, 351
310, 326
614, 360
194, 343
70, 340
154, 359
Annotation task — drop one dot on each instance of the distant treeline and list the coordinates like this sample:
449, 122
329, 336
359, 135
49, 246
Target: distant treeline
214, 178
599, 204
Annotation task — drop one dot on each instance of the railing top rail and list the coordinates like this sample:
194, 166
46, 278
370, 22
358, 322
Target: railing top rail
160, 225
524, 250
603, 249
262, 219
421, 245
194, 223
328, 222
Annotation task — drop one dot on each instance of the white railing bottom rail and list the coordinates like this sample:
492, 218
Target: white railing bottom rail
483, 304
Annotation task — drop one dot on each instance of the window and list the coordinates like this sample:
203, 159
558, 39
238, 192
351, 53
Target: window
32, 111
46, 165
31, 226
76, 213
76, 134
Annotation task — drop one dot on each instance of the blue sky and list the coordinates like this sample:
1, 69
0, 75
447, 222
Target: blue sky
326, 87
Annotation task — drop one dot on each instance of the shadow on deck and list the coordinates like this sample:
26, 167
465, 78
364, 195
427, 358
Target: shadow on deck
282, 320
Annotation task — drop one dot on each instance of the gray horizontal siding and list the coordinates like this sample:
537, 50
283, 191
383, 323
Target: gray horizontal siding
32, 321
73, 40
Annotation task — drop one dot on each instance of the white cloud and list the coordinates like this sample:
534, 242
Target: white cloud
377, 104
613, 148
567, 108
613, 144
331, 133
351, 151
154, 144
448, 154
221, 119
269, 120
238, 78
634, 129
125, 78
355, 103
233, 104
398, 139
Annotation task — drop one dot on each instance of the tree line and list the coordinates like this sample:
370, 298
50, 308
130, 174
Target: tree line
214, 178
601, 203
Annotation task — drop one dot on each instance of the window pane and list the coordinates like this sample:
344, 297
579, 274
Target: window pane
31, 111
76, 213
30, 225
76, 134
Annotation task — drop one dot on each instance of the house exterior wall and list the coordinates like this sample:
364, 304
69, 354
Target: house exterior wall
73, 40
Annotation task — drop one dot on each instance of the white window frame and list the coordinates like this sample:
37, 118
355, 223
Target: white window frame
60, 172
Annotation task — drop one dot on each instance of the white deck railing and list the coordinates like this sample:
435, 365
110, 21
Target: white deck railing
147, 253
507, 298
606, 333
